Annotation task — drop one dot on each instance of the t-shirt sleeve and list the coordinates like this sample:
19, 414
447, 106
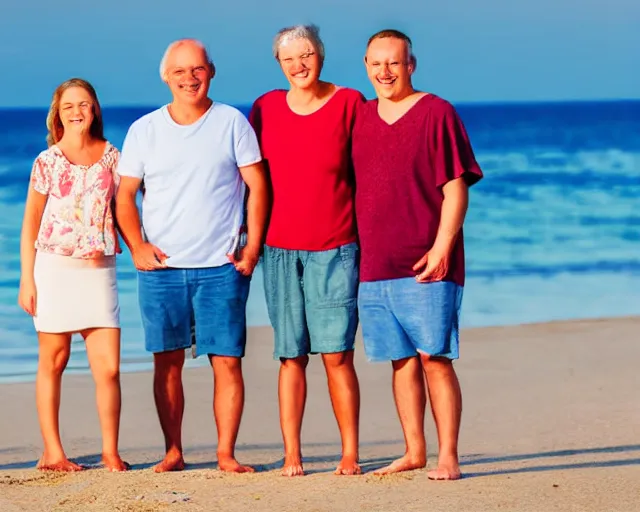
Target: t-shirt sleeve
130, 162
41, 176
452, 154
255, 119
356, 103
246, 147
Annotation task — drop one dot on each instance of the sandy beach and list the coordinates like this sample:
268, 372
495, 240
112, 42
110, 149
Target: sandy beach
550, 423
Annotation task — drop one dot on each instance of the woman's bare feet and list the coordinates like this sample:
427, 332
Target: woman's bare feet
292, 466
406, 463
173, 461
114, 463
444, 474
231, 465
348, 466
61, 464
448, 469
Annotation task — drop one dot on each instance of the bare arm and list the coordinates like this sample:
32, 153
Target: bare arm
257, 204
257, 212
434, 265
116, 228
126, 212
454, 209
145, 255
33, 211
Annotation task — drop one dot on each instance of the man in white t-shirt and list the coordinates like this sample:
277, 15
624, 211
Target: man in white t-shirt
195, 157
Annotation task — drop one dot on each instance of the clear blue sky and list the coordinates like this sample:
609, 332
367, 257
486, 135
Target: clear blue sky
468, 50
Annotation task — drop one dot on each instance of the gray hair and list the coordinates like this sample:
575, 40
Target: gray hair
309, 32
176, 44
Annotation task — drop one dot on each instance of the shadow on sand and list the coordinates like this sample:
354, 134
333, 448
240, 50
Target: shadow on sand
369, 465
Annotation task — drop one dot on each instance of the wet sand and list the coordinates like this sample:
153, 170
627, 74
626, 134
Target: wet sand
550, 422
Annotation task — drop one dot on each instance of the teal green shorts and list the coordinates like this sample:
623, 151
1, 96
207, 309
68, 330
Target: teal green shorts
312, 299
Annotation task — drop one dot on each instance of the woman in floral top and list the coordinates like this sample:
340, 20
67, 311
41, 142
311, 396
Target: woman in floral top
67, 253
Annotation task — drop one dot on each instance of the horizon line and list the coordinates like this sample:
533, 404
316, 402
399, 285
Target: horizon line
460, 103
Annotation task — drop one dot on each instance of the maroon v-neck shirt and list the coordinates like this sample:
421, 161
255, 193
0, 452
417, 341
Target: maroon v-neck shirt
400, 169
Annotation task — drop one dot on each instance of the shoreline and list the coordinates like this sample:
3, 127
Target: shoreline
545, 427
145, 364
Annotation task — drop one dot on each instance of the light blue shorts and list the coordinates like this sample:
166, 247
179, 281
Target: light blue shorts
208, 302
401, 317
312, 299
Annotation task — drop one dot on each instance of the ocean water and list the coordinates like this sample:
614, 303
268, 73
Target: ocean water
552, 233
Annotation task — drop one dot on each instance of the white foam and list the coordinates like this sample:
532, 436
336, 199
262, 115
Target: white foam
531, 161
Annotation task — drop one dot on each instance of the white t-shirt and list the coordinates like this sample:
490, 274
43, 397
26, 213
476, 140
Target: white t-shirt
194, 195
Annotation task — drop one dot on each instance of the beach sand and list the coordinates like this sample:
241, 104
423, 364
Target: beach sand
550, 422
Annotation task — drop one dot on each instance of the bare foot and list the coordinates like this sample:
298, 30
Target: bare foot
231, 465
448, 469
171, 462
114, 463
292, 466
348, 466
63, 464
406, 463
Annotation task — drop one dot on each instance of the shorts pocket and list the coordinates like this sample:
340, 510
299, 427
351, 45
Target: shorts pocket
350, 258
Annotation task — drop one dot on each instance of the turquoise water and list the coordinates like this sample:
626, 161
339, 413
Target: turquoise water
553, 231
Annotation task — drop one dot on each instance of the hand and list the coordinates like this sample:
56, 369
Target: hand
247, 262
27, 297
434, 265
118, 246
147, 256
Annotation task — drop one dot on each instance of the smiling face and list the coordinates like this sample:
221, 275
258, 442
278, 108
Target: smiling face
76, 110
300, 63
389, 67
188, 73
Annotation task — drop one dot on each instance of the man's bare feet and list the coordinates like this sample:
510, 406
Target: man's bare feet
348, 466
62, 464
292, 466
114, 463
173, 461
406, 463
231, 465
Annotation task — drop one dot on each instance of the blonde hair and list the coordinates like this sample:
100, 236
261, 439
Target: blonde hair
54, 124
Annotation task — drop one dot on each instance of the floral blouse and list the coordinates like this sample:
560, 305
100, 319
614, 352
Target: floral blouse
78, 219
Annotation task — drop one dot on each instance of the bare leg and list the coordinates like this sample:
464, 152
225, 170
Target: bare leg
292, 394
344, 390
103, 352
410, 397
53, 356
446, 406
228, 403
169, 396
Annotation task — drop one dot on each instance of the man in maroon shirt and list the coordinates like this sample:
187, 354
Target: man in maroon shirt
413, 165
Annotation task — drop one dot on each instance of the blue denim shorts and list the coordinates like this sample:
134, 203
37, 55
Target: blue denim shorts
401, 317
210, 300
312, 299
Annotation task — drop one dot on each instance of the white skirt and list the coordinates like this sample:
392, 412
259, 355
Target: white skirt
75, 294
